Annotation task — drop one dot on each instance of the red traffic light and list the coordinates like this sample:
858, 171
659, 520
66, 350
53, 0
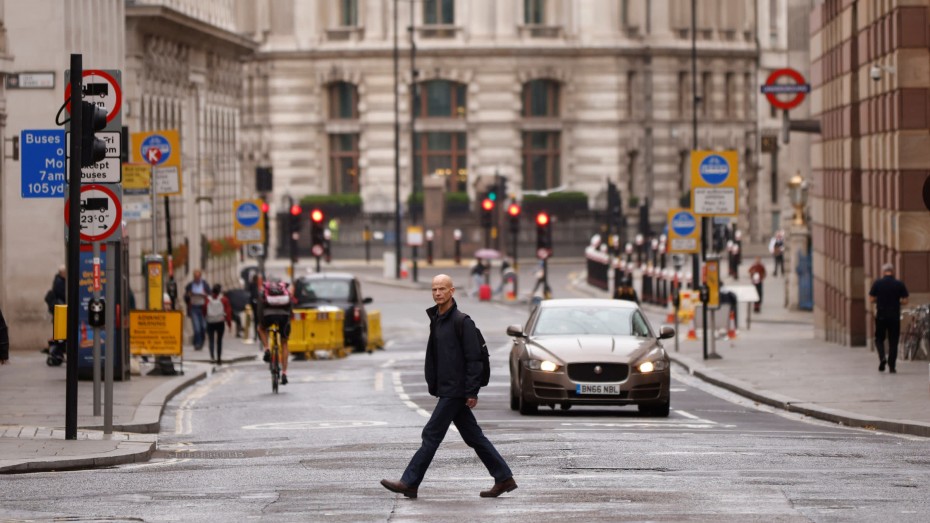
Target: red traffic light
265, 207
295, 210
487, 204
316, 216
542, 219
513, 210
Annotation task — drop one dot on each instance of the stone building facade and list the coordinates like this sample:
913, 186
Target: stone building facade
871, 72
547, 93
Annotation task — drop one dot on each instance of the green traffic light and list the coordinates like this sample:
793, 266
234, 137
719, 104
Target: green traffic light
492, 196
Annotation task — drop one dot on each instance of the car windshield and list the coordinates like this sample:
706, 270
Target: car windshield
324, 290
590, 320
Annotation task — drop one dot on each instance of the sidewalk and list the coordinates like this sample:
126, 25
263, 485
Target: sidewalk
778, 361
32, 413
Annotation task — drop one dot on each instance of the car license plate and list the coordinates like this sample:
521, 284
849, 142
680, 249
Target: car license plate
582, 388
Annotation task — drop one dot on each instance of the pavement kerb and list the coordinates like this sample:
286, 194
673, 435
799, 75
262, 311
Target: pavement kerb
813, 410
131, 448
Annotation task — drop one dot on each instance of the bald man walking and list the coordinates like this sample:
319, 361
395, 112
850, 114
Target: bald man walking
453, 373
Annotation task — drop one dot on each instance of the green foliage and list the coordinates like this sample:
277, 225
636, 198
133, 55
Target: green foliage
558, 197
337, 200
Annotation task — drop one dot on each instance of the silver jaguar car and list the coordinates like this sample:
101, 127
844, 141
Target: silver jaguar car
589, 352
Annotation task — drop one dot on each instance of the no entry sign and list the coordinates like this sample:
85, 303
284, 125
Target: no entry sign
772, 88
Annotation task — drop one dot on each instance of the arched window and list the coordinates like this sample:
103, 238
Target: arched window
343, 101
542, 148
440, 152
343, 146
541, 99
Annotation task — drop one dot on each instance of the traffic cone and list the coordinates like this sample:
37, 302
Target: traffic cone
403, 269
692, 330
731, 326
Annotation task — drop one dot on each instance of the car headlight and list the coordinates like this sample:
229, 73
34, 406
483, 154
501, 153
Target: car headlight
652, 366
543, 365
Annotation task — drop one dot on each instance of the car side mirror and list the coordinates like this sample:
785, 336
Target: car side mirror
367, 300
666, 332
516, 331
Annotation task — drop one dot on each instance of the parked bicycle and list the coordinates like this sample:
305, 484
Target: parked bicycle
916, 339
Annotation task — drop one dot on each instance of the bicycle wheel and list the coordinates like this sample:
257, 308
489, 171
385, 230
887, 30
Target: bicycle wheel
275, 364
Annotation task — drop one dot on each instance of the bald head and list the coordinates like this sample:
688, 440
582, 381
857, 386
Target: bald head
443, 289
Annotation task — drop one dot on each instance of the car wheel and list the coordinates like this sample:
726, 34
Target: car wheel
361, 344
514, 397
526, 407
660, 411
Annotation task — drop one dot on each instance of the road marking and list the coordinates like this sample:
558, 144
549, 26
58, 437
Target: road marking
691, 416
312, 425
399, 389
379, 381
182, 419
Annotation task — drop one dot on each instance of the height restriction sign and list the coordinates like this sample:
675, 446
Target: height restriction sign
714, 183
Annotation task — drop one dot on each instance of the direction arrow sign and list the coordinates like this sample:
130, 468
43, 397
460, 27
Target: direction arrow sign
101, 212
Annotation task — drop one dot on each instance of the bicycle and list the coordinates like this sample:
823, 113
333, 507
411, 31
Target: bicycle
916, 335
274, 346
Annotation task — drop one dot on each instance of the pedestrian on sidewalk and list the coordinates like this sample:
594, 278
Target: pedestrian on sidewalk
218, 313
888, 294
453, 373
777, 248
757, 275
195, 297
477, 277
4, 341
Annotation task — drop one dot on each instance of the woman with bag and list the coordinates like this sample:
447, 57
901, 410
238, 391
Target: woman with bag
218, 313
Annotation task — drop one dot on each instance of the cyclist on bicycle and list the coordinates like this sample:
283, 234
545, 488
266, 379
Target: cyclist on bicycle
276, 304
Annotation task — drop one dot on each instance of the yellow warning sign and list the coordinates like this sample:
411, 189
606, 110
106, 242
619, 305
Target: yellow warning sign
156, 332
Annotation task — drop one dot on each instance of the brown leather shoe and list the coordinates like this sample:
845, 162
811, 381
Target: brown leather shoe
401, 488
499, 488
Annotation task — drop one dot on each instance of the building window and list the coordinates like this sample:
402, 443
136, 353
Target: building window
440, 99
541, 160
705, 94
343, 163
438, 12
534, 12
541, 99
348, 13
444, 155
343, 101
630, 90
728, 92
684, 90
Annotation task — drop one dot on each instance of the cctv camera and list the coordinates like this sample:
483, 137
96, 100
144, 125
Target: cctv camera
875, 73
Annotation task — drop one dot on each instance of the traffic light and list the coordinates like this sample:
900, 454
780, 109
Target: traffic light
265, 209
502, 187
492, 193
487, 207
94, 119
513, 213
543, 233
317, 232
295, 230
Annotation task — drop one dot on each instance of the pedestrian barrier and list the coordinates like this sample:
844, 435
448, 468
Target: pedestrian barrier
318, 330
375, 338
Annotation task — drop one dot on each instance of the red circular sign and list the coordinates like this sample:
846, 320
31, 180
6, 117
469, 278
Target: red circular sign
111, 83
773, 80
101, 212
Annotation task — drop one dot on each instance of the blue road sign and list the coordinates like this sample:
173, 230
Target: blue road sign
156, 149
248, 214
43, 163
715, 169
684, 223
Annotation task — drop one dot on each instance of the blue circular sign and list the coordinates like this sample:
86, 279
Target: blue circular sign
714, 169
683, 223
248, 214
155, 150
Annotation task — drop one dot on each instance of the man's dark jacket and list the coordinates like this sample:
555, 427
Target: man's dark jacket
453, 366
4, 339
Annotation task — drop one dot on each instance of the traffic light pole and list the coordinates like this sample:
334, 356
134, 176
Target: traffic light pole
696, 266
74, 245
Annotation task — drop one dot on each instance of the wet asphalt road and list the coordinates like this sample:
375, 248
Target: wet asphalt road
231, 451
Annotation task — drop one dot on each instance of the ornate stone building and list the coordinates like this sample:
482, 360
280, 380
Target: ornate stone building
871, 72
547, 93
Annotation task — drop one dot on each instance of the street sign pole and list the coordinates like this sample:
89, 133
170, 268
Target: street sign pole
111, 336
96, 330
74, 246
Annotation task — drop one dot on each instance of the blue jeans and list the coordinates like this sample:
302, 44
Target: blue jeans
448, 411
200, 326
